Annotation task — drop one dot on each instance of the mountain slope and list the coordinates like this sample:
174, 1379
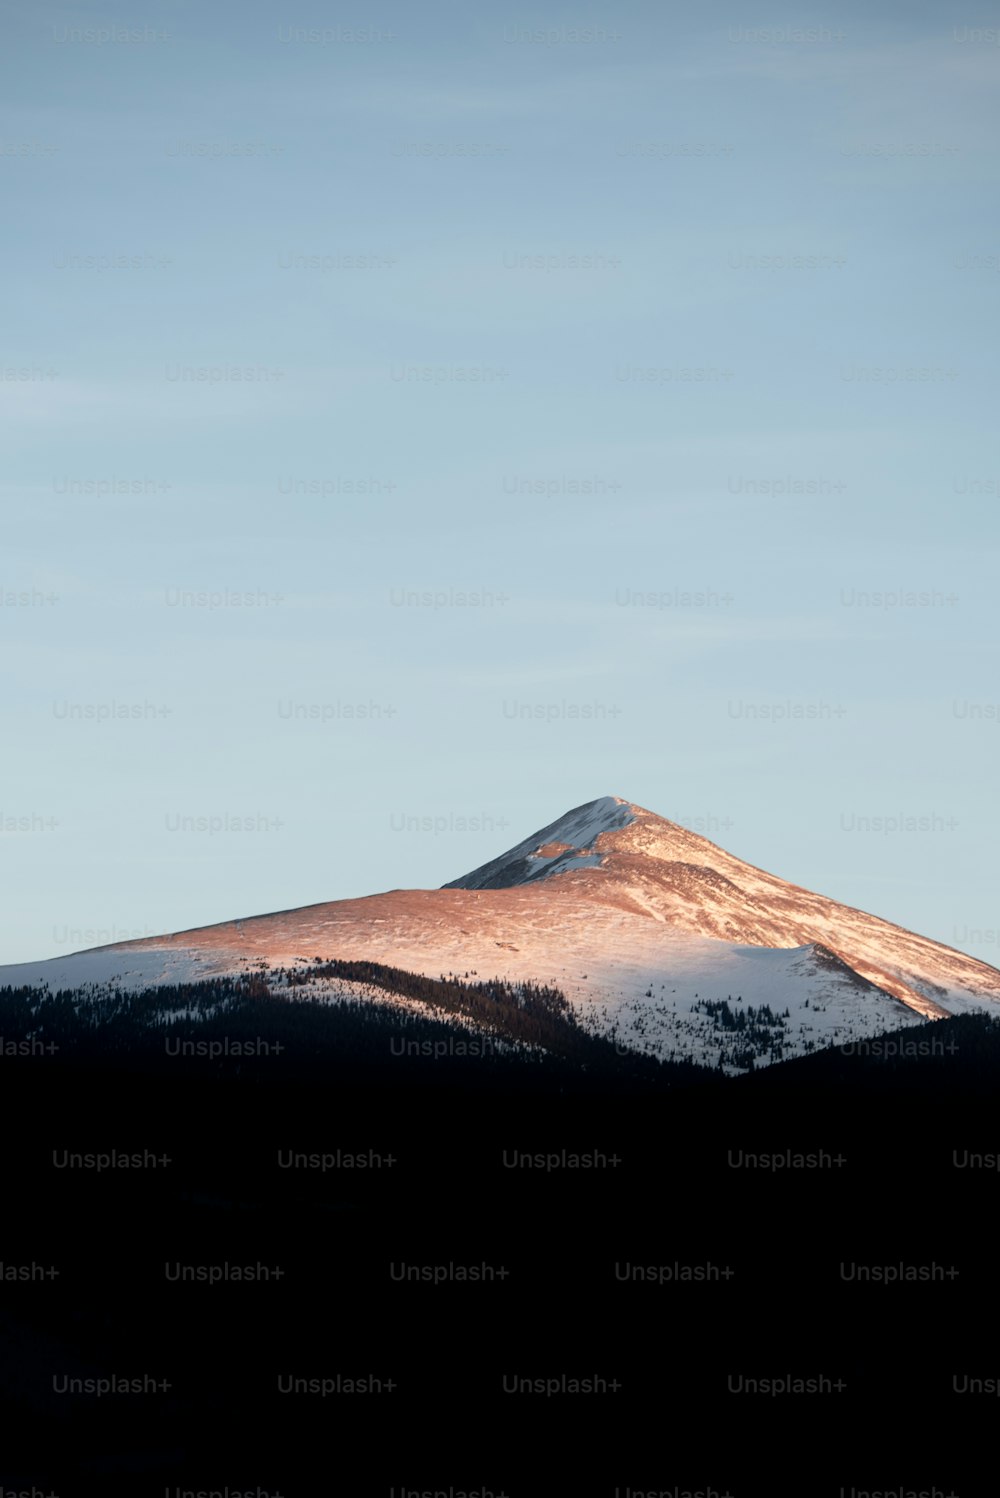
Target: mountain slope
690, 884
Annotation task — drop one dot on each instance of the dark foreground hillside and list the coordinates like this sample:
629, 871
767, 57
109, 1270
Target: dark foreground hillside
381, 1249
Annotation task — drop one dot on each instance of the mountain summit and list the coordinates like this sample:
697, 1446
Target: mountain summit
656, 936
567, 843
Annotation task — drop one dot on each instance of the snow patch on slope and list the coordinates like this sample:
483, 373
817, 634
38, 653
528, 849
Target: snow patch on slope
664, 1013
130, 968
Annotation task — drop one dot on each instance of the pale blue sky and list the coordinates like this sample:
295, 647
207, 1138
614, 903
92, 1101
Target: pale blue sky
671, 372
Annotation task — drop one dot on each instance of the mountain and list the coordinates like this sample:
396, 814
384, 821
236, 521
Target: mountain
656, 936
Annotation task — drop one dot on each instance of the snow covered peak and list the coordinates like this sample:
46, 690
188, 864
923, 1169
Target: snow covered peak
567, 843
